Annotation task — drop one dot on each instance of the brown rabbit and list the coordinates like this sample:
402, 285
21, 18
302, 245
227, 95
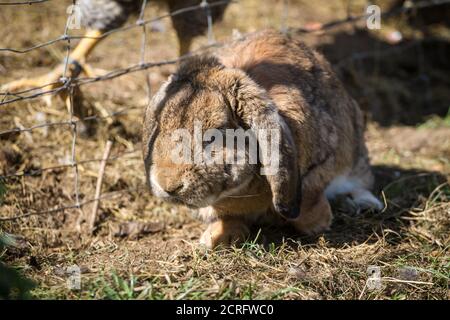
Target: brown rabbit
266, 81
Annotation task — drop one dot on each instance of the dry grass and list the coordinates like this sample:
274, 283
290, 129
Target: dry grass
409, 240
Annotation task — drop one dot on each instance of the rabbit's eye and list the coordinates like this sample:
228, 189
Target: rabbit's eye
216, 137
209, 142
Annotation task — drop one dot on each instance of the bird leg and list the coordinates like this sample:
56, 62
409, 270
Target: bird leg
77, 61
86, 45
185, 45
52, 80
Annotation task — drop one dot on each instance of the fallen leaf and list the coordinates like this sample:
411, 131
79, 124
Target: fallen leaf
134, 229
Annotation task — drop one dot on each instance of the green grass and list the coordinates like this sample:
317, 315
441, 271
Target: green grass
13, 285
436, 122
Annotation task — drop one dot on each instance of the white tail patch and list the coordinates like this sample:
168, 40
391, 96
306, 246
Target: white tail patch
345, 185
366, 200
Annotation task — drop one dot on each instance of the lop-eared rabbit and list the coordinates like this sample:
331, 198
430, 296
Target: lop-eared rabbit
266, 82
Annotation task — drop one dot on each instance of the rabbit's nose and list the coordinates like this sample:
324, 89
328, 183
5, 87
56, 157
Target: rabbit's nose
166, 182
170, 184
173, 189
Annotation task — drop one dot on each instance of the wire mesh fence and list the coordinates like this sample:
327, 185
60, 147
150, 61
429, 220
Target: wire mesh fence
68, 83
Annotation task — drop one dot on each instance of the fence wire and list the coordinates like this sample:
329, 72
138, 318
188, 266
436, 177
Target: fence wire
68, 85
17, 3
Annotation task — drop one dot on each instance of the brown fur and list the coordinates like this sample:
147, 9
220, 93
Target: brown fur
245, 85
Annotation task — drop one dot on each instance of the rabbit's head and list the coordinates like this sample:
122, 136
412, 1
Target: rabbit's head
187, 127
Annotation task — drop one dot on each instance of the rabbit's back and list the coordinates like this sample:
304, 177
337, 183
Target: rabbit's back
325, 120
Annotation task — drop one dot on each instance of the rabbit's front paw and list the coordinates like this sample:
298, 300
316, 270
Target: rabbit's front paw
316, 216
224, 232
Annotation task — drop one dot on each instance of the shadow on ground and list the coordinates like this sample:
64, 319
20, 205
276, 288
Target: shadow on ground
400, 83
403, 191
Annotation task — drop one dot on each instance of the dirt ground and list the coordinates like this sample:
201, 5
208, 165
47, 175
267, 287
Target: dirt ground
143, 248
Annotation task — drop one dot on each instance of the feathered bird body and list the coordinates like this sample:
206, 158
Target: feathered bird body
101, 16
105, 15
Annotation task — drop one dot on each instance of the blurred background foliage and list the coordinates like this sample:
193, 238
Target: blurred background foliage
12, 284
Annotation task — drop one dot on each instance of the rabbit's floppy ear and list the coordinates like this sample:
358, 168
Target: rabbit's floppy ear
251, 104
150, 125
